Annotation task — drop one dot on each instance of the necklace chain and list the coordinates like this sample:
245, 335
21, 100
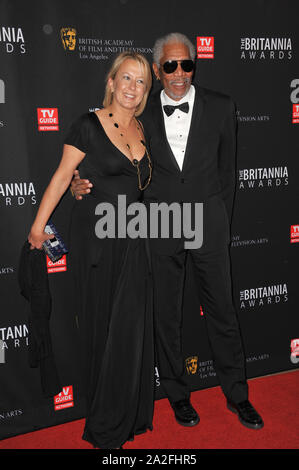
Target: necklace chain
136, 162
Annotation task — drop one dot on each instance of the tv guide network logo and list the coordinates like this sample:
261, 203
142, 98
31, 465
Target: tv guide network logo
295, 114
47, 119
295, 351
64, 399
57, 267
294, 233
205, 47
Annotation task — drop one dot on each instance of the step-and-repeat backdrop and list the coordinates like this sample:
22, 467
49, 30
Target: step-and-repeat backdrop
54, 56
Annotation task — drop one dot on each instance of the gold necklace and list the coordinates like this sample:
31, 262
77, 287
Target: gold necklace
136, 162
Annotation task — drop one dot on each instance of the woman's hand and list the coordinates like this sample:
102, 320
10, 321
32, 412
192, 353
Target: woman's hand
36, 239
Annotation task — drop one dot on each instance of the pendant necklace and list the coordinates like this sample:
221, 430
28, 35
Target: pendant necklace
136, 162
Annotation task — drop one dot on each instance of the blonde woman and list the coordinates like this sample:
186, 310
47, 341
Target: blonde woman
113, 283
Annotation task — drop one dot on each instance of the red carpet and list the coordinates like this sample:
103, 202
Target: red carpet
275, 397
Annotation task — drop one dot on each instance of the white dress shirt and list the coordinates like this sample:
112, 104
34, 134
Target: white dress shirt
178, 124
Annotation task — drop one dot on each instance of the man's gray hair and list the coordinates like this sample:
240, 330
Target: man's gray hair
171, 38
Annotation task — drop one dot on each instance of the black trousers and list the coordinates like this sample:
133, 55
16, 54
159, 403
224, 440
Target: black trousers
211, 267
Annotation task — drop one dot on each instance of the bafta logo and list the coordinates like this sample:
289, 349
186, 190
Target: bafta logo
68, 38
191, 364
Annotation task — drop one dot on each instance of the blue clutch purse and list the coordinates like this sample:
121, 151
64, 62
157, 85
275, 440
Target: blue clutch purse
55, 247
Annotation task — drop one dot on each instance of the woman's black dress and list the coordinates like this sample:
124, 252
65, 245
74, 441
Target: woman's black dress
113, 289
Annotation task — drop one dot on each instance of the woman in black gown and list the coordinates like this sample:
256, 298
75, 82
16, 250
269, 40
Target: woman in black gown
113, 281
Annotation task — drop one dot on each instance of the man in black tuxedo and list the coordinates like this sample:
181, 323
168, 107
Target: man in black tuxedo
191, 133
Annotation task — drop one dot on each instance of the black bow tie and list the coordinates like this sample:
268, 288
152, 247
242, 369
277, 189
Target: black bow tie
169, 109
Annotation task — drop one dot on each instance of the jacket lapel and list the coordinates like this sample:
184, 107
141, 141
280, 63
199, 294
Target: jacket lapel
161, 131
197, 114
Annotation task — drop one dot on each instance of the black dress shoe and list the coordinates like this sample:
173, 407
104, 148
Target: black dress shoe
184, 413
248, 416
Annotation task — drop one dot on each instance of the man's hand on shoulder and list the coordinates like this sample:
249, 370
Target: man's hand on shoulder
80, 187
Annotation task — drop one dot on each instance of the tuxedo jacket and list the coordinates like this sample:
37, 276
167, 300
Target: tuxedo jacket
208, 172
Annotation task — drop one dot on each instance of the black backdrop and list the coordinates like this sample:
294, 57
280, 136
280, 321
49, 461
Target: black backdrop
255, 60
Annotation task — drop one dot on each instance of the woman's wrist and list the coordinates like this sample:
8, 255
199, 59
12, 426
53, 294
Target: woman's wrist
37, 229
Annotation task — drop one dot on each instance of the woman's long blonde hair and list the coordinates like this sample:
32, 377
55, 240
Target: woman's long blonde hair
113, 71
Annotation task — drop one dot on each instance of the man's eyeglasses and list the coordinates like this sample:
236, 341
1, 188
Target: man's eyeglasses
171, 65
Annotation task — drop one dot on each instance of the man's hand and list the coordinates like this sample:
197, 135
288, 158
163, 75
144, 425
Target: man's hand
80, 187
